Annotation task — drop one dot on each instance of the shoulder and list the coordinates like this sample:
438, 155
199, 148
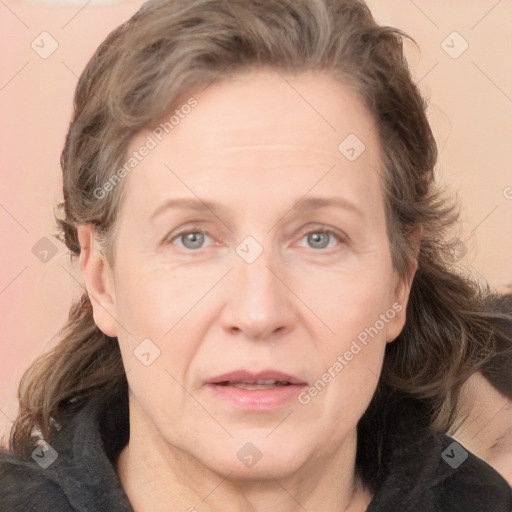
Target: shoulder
461, 481
434, 473
74, 470
26, 487
412, 467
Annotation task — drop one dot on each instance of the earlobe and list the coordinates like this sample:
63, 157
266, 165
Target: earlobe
398, 311
98, 281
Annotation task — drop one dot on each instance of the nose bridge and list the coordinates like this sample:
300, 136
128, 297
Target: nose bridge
258, 304
257, 281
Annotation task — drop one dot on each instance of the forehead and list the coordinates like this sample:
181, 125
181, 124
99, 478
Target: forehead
273, 108
258, 123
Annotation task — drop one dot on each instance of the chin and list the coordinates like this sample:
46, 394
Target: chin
262, 471
258, 460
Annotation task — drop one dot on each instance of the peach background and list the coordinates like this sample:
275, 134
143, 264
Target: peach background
471, 113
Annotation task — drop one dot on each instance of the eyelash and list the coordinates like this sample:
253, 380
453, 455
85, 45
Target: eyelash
302, 235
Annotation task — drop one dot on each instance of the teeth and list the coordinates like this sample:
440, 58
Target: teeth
259, 384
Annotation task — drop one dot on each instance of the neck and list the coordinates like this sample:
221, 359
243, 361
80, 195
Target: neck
159, 476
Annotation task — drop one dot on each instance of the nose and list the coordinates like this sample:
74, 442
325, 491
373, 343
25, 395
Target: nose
259, 304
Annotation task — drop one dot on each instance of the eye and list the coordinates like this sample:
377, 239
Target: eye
195, 239
319, 238
190, 239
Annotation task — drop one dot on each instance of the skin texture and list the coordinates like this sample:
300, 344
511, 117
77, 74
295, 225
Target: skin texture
255, 146
487, 429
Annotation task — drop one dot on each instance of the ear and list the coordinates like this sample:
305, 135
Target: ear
98, 280
403, 288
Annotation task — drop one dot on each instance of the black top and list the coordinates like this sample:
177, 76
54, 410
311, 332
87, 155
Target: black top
407, 466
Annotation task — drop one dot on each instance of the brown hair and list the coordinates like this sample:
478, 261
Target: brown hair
164, 53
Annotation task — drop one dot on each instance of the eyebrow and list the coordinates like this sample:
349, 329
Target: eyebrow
308, 204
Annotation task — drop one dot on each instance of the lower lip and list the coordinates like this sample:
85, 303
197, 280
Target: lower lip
257, 399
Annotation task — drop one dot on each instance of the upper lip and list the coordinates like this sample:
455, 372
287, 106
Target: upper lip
251, 377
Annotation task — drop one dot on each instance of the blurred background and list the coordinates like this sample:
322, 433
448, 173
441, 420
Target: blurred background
462, 66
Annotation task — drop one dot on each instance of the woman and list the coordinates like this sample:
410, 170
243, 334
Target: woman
270, 320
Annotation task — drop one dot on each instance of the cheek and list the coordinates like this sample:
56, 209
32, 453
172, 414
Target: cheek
359, 319
350, 302
156, 309
357, 310
154, 297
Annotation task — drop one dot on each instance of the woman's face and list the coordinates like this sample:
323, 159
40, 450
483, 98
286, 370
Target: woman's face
285, 275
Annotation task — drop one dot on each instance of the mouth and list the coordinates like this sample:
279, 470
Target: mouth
259, 384
256, 380
259, 391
